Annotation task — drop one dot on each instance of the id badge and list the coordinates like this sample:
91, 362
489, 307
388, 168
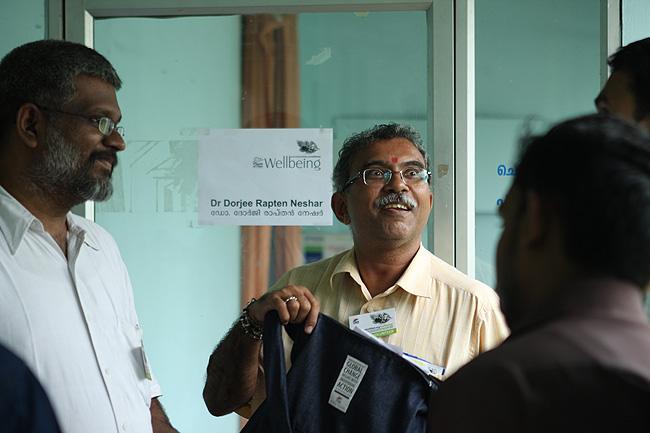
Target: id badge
145, 362
378, 323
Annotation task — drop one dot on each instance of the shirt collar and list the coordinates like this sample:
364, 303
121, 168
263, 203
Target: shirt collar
412, 280
416, 277
15, 220
348, 264
606, 297
75, 229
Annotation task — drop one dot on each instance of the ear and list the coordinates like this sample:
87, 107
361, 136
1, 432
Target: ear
30, 123
537, 224
340, 207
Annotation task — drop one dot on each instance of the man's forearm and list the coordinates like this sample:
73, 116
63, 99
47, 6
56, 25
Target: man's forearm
159, 420
234, 365
232, 372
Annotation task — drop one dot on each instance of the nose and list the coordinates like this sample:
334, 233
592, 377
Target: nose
115, 140
396, 182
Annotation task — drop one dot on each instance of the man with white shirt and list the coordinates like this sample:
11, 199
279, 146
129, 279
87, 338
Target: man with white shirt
66, 303
383, 192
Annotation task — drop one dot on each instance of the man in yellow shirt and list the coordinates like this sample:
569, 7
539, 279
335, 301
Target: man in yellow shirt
382, 184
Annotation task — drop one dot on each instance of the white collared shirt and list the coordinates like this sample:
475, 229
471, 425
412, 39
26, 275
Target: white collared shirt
73, 322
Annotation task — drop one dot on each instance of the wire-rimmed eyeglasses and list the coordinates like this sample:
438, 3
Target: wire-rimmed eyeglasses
105, 125
381, 176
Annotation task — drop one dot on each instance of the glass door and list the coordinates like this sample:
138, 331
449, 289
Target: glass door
183, 66
537, 63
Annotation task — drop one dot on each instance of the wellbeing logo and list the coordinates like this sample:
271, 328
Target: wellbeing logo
300, 162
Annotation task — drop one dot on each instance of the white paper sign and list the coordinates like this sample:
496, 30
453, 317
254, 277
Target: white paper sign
273, 177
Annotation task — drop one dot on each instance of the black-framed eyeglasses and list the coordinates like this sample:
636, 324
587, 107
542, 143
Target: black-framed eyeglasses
105, 125
381, 176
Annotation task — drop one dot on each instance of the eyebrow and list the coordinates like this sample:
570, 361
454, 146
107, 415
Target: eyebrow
99, 111
412, 163
103, 112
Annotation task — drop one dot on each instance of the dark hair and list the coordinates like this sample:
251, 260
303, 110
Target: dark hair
43, 72
634, 59
596, 170
358, 141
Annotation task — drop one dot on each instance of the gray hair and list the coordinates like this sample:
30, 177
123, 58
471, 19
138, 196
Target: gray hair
365, 138
43, 73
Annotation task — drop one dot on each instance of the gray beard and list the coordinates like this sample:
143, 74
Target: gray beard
62, 174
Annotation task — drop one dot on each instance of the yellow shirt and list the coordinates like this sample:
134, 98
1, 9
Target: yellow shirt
443, 315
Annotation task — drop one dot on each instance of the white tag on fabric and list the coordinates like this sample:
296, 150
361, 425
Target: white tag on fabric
379, 323
145, 362
347, 383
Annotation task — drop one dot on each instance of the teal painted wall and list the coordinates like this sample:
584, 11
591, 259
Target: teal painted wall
21, 21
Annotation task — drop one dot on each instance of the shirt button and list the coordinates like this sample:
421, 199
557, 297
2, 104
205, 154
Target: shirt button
370, 309
125, 426
107, 370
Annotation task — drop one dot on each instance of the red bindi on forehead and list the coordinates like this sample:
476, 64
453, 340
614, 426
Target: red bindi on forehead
393, 159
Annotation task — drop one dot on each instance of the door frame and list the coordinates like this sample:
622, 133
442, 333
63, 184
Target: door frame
450, 86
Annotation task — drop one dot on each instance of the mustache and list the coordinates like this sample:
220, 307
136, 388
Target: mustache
395, 198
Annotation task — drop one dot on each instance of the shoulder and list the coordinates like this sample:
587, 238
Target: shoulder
478, 397
311, 274
323, 266
451, 279
529, 381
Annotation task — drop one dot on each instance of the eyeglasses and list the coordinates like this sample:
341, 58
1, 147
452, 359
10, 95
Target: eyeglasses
105, 125
381, 176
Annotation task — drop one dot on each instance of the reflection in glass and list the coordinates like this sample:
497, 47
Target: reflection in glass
349, 72
536, 63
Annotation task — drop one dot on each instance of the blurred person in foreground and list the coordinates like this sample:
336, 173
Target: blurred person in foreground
572, 266
24, 407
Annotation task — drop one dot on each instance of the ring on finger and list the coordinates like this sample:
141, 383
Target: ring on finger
290, 298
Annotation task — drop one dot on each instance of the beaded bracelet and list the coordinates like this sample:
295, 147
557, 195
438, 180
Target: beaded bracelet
250, 328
